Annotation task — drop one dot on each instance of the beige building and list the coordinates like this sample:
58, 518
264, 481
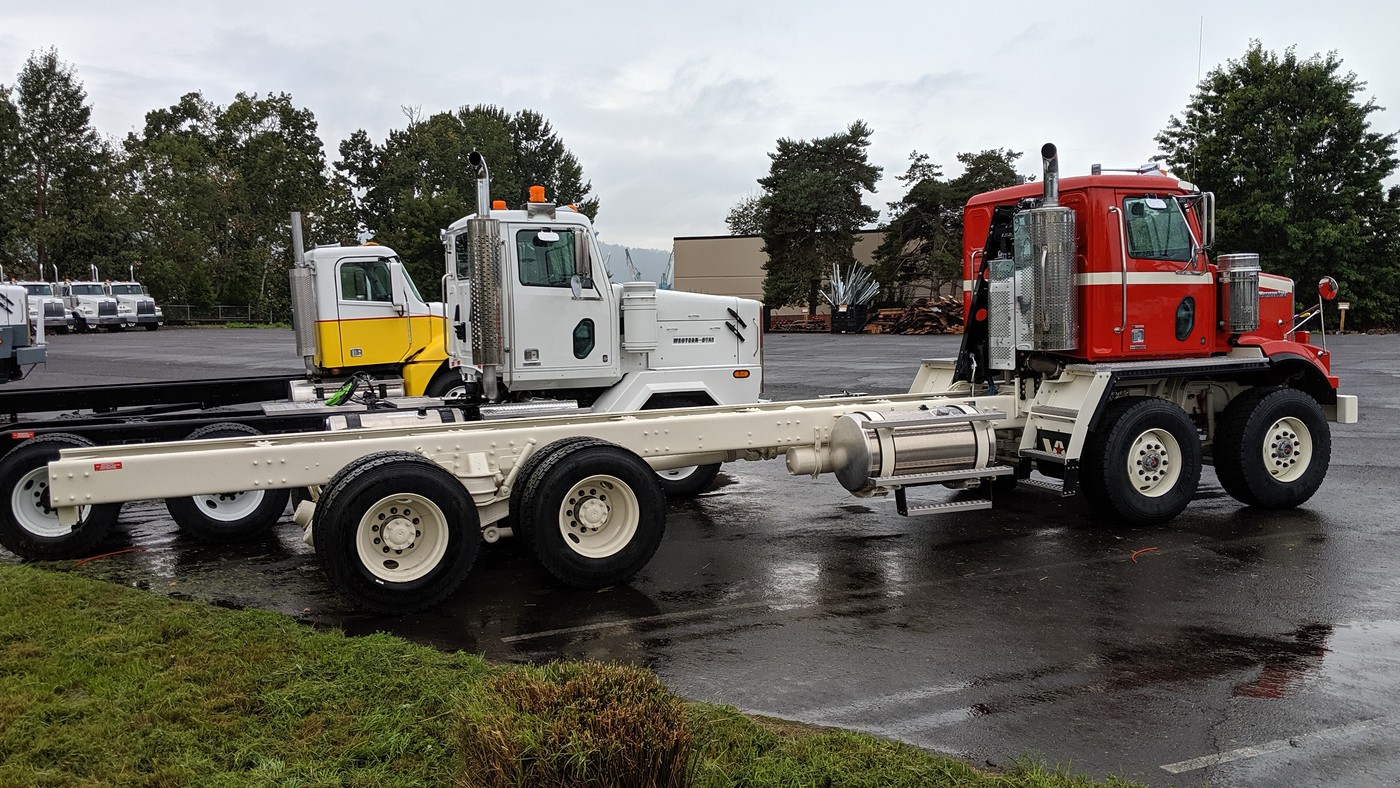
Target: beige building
733, 265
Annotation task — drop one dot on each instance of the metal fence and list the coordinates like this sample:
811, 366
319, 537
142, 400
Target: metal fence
218, 313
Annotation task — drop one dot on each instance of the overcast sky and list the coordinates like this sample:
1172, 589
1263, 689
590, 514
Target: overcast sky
673, 108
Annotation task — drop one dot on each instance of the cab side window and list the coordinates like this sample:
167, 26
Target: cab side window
365, 280
545, 263
1156, 229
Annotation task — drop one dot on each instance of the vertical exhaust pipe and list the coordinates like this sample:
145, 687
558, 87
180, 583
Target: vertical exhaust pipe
486, 284
483, 184
303, 300
1050, 164
298, 244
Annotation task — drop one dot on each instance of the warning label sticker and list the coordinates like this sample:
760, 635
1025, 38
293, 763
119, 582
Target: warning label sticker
107, 466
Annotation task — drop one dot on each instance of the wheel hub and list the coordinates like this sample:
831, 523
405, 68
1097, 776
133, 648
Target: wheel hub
398, 534
593, 513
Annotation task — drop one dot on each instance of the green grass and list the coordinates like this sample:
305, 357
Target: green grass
105, 685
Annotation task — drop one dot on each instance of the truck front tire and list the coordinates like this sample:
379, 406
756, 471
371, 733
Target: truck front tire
396, 531
1141, 465
682, 483
591, 512
1272, 448
227, 517
29, 526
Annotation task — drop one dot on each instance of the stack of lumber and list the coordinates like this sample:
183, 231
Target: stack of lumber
941, 315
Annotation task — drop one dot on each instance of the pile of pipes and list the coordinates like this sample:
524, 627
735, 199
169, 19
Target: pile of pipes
857, 287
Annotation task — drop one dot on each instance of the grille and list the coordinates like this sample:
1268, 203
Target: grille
146, 308
106, 307
53, 309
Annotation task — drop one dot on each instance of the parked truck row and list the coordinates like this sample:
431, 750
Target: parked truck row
61, 306
1104, 350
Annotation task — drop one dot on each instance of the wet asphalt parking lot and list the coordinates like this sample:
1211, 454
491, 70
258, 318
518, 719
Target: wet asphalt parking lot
1240, 648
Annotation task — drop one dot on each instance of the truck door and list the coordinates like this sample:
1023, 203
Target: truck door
1166, 302
372, 331
558, 339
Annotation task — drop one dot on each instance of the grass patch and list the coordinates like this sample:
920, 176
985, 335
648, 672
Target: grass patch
104, 685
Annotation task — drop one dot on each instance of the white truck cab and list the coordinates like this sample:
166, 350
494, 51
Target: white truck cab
45, 305
530, 307
18, 348
89, 304
356, 307
135, 306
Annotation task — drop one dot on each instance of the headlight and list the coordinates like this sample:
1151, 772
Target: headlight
85, 309
123, 307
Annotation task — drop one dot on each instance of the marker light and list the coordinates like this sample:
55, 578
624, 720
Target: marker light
498, 205
741, 373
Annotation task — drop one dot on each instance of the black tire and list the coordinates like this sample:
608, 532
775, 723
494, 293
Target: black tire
626, 510
1299, 441
1131, 471
28, 527
443, 383
152, 326
413, 492
682, 483
228, 517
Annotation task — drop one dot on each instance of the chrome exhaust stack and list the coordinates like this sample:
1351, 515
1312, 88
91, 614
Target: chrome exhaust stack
1050, 165
303, 291
484, 249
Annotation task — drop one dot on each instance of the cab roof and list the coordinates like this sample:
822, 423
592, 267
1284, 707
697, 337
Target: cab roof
1151, 183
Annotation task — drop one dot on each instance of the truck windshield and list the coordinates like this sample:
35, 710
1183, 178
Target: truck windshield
39, 290
85, 289
1156, 229
128, 289
545, 263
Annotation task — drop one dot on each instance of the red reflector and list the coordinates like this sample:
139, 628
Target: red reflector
741, 373
21, 436
107, 466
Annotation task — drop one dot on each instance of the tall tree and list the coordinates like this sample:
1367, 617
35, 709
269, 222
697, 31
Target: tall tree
922, 244
214, 187
64, 208
1286, 145
419, 181
811, 209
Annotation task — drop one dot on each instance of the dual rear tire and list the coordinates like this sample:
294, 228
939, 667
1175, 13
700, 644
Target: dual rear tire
1272, 447
398, 533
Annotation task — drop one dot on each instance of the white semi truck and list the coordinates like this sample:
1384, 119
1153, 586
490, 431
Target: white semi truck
46, 307
1182, 361
89, 303
135, 306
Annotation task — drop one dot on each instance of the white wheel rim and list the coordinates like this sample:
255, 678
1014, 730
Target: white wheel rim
599, 516
1154, 463
456, 392
1287, 449
28, 503
402, 537
229, 507
678, 474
